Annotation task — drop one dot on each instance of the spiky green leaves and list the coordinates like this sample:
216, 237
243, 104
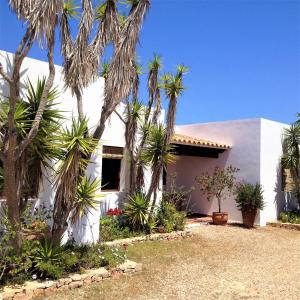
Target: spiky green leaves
156, 151
76, 146
172, 84
136, 210
291, 144
86, 197
70, 9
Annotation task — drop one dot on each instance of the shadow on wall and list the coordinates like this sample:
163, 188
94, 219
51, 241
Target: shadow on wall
8, 67
112, 200
284, 201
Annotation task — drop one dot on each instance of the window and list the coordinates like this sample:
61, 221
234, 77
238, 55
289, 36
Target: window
111, 168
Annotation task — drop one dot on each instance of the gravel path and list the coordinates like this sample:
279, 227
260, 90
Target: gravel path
219, 263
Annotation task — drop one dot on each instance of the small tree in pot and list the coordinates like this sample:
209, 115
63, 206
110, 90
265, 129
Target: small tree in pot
249, 199
218, 185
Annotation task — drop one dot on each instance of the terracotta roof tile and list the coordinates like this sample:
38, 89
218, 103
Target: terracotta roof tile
188, 140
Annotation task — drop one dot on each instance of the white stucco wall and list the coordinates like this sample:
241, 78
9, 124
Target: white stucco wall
270, 173
256, 149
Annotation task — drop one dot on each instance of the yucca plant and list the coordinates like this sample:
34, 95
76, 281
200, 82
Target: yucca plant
173, 87
85, 199
77, 147
47, 260
136, 210
156, 154
133, 117
40, 151
291, 155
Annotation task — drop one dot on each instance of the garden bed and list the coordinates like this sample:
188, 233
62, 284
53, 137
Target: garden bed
284, 225
44, 288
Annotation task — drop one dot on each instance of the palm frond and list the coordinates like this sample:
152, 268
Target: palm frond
86, 195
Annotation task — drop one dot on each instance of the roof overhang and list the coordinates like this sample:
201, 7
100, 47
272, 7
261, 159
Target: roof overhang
191, 146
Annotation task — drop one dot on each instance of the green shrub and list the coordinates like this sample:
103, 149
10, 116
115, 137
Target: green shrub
49, 270
177, 195
70, 261
136, 211
43, 260
169, 218
249, 197
101, 256
113, 228
290, 217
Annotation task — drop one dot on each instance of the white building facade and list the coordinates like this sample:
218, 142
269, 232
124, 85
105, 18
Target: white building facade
253, 146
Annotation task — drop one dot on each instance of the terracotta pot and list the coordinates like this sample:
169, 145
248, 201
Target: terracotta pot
249, 218
220, 218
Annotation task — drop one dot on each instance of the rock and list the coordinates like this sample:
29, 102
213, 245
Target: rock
48, 284
38, 292
29, 293
101, 272
76, 277
87, 281
75, 284
50, 290
64, 281
20, 296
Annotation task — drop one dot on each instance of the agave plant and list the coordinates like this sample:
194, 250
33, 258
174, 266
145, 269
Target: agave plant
136, 210
86, 196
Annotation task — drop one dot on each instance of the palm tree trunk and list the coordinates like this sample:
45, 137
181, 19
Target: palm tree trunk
79, 103
153, 187
171, 119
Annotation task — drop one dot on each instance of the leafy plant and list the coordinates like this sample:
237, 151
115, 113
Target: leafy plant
46, 260
249, 197
76, 147
136, 210
86, 195
291, 156
176, 195
169, 218
215, 185
99, 255
290, 217
112, 228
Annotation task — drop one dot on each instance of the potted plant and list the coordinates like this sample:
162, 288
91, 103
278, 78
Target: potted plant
249, 199
218, 186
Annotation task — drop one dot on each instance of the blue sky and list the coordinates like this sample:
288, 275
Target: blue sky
244, 55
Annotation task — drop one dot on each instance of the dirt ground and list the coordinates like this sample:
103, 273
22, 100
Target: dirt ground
218, 263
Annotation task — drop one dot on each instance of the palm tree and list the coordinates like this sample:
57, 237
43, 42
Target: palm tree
81, 65
156, 154
133, 115
291, 156
173, 88
154, 98
40, 19
76, 147
40, 151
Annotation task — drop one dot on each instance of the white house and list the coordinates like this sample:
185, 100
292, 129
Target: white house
253, 146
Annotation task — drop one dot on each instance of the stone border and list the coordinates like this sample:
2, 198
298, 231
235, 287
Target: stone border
45, 288
284, 225
152, 237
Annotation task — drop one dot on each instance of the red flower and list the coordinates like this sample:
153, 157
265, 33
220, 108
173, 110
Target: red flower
114, 212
